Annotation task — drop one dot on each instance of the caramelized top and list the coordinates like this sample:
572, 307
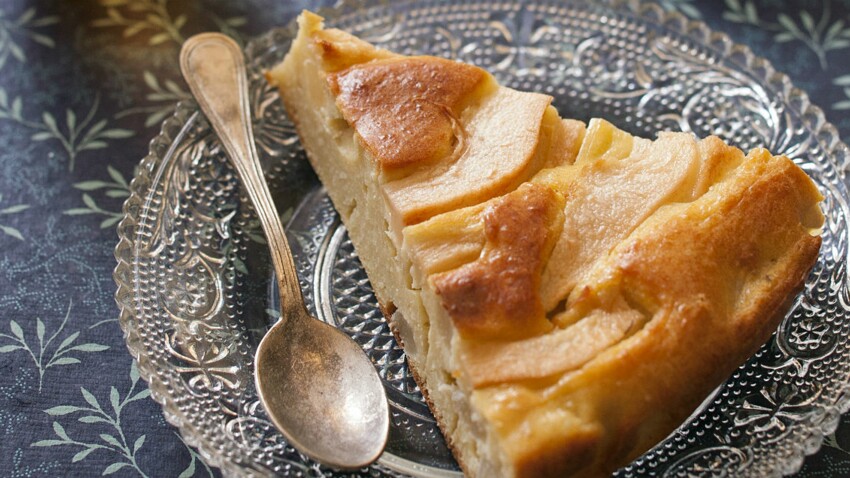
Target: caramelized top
496, 296
406, 109
586, 275
443, 135
726, 244
514, 273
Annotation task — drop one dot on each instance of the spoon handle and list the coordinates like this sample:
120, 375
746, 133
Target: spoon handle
214, 68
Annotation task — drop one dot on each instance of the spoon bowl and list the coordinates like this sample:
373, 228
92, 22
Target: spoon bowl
316, 384
350, 413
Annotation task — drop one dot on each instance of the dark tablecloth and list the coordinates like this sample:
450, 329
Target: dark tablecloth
84, 85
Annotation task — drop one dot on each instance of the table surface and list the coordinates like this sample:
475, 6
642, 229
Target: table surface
84, 86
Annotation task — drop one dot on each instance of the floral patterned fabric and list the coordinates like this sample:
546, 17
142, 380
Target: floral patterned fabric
84, 86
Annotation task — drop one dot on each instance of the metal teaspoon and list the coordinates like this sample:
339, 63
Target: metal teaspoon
317, 385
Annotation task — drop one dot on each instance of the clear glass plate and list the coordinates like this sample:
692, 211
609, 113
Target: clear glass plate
196, 293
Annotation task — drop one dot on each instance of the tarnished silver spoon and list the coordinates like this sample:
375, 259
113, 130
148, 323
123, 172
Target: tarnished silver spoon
315, 382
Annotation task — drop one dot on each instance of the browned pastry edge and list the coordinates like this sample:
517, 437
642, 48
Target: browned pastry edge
773, 306
386, 311
423, 387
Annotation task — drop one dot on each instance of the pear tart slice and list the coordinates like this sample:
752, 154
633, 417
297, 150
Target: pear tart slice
566, 294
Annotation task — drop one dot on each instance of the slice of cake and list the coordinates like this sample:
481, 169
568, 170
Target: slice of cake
566, 294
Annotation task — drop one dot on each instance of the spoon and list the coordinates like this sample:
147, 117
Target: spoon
317, 385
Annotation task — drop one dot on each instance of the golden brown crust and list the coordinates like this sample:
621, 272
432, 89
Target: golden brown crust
423, 387
694, 279
723, 257
564, 456
497, 296
714, 275
406, 109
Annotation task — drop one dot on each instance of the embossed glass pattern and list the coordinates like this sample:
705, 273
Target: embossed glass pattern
194, 282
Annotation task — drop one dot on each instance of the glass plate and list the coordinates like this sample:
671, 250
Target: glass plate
196, 293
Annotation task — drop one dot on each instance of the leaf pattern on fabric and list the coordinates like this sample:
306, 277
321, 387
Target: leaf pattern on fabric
44, 355
821, 36
162, 99
26, 25
7, 210
148, 16
192, 468
113, 436
86, 84
74, 136
154, 18
117, 188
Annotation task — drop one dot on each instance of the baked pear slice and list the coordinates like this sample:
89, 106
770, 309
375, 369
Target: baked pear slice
566, 294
